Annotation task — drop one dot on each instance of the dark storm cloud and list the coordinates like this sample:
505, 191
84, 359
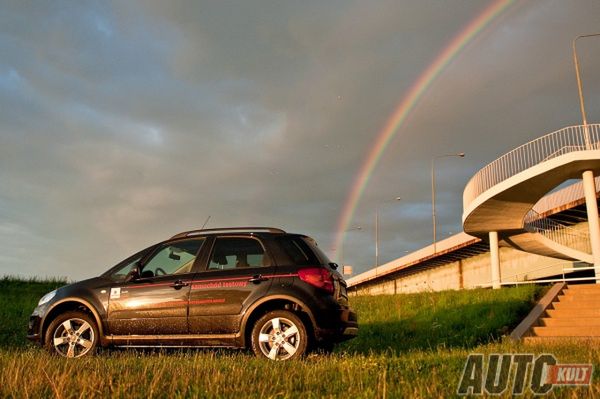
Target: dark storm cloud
123, 123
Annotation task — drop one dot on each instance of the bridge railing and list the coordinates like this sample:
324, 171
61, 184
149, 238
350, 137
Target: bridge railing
558, 232
552, 145
565, 269
565, 195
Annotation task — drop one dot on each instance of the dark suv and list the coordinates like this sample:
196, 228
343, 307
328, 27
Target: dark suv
245, 287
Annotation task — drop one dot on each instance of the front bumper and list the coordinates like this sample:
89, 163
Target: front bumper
33, 328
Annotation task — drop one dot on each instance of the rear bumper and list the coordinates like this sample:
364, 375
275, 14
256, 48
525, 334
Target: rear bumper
345, 327
350, 332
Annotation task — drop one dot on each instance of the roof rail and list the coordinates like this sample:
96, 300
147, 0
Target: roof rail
229, 230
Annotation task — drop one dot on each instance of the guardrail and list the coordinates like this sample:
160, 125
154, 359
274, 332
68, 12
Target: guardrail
564, 271
552, 145
558, 232
565, 195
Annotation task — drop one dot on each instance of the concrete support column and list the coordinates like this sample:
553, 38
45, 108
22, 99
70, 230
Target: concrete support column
461, 279
495, 259
589, 189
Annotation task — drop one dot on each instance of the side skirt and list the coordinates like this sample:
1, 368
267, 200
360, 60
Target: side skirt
191, 340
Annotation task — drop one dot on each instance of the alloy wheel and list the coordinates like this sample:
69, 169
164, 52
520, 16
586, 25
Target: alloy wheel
74, 337
279, 338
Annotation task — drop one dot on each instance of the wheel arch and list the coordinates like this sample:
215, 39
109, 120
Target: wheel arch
275, 302
69, 304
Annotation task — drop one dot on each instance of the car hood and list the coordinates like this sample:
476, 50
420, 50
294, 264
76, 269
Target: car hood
90, 283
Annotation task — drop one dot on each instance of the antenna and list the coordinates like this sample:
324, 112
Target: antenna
207, 219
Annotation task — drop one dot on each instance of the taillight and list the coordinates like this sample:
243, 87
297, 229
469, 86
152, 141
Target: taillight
318, 277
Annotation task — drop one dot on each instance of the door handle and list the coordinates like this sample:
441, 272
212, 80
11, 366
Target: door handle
179, 284
257, 278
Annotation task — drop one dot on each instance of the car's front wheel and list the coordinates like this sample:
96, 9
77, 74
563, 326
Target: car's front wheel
279, 335
72, 334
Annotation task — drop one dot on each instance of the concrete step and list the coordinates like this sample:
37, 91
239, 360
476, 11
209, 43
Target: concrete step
580, 331
576, 305
589, 341
577, 293
586, 296
583, 287
570, 322
567, 313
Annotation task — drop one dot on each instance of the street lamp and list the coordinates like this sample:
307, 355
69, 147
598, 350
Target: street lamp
377, 234
461, 155
580, 89
589, 187
341, 255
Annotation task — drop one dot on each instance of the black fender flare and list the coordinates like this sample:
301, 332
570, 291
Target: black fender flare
75, 300
250, 311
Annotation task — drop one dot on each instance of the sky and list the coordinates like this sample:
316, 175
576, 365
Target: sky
123, 123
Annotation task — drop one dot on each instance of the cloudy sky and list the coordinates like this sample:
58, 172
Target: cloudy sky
124, 123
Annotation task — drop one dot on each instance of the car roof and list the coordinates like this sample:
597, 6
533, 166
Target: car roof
228, 230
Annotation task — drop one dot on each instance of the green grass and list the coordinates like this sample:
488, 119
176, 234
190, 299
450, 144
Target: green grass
18, 297
439, 319
409, 346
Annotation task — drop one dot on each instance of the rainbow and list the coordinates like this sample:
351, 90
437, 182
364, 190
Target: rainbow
406, 106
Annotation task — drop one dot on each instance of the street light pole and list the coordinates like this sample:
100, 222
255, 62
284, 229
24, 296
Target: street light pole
461, 155
589, 185
377, 235
376, 238
580, 89
341, 255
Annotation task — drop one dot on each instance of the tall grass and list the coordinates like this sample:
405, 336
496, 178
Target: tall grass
18, 297
409, 346
439, 319
217, 374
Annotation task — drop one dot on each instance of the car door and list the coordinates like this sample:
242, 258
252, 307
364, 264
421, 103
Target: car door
156, 303
238, 271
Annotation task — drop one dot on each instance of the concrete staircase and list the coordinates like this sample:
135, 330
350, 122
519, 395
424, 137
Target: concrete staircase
573, 314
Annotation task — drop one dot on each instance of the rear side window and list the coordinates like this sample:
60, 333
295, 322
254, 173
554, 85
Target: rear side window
302, 251
237, 252
317, 250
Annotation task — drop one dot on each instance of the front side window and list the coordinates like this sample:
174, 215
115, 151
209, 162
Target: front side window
120, 271
173, 258
237, 252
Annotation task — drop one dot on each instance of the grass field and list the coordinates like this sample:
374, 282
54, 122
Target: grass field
409, 346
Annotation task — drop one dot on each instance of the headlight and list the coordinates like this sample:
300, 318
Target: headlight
47, 297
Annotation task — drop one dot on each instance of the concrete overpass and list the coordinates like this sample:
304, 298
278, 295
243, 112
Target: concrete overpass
499, 201
540, 232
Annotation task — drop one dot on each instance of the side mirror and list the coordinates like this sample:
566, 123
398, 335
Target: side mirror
133, 274
334, 266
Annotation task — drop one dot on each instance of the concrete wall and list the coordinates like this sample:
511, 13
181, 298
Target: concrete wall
471, 272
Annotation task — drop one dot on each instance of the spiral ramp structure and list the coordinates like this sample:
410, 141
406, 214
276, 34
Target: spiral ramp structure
500, 201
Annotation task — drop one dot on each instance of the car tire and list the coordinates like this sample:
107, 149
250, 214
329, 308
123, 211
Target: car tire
72, 334
279, 335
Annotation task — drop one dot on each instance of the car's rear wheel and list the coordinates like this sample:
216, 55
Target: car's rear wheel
72, 334
279, 335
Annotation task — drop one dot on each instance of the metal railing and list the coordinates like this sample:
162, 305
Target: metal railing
552, 145
558, 232
563, 196
564, 271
